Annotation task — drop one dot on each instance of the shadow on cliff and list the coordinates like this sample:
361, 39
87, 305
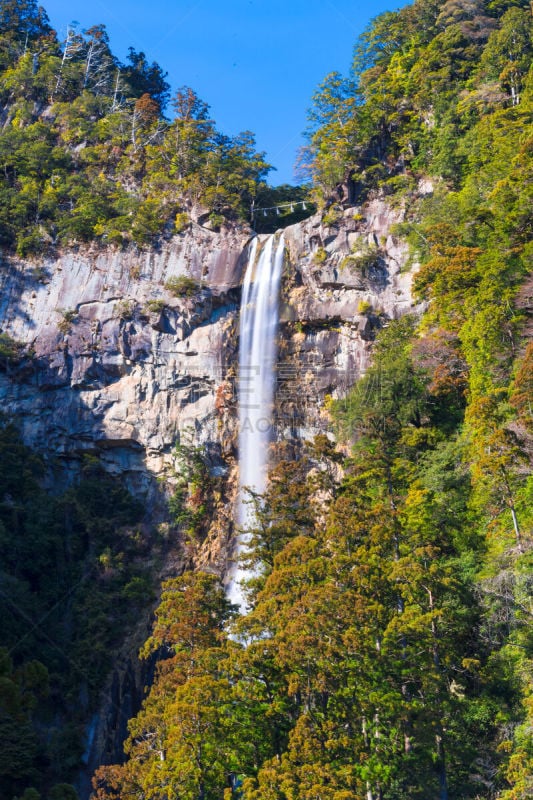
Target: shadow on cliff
62, 398
59, 422
13, 282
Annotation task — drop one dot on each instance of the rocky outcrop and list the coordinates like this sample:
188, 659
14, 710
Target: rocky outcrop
343, 282
117, 365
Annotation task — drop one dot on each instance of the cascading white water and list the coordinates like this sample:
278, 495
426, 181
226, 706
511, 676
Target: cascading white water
257, 376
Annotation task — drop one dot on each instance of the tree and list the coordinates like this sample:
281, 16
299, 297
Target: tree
178, 741
140, 77
68, 74
100, 64
24, 21
507, 56
522, 390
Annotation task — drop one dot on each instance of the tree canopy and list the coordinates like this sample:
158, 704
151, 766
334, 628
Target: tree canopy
387, 651
88, 153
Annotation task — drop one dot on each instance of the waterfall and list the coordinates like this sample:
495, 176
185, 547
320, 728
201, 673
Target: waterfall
257, 376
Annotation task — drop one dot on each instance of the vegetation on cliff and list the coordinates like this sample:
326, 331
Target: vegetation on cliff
388, 651
87, 151
74, 574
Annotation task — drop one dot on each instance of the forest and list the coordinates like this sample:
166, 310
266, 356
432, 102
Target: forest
93, 149
388, 649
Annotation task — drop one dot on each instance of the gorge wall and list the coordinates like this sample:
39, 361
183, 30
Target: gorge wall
116, 366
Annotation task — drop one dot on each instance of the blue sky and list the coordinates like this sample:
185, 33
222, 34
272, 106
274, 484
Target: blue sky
255, 62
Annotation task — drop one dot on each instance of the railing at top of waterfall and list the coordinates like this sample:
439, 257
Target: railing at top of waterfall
293, 205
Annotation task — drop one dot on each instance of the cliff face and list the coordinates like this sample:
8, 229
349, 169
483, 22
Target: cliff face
110, 372
118, 366
343, 281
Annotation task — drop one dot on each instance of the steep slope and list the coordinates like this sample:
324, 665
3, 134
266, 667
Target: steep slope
388, 648
387, 652
111, 365
114, 364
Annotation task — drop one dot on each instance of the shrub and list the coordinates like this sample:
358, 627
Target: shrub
181, 222
361, 261
10, 349
125, 309
320, 256
216, 220
192, 499
148, 221
68, 316
30, 244
63, 791
332, 216
182, 286
30, 794
40, 275
155, 306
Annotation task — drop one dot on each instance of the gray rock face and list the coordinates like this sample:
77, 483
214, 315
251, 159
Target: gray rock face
118, 364
344, 282
120, 367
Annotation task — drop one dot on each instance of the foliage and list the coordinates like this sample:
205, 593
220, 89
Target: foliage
125, 309
182, 286
522, 389
68, 316
155, 306
177, 742
10, 349
387, 650
421, 78
364, 307
320, 256
69, 562
361, 260
278, 206
181, 222
87, 152
191, 503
